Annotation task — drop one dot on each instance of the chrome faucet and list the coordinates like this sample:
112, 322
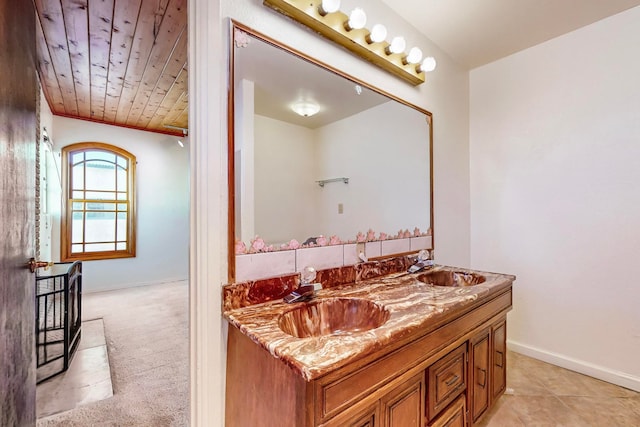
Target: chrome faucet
421, 263
307, 289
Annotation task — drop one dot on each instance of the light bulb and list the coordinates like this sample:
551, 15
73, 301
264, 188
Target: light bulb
378, 34
180, 143
414, 56
329, 6
357, 20
429, 64
397, 45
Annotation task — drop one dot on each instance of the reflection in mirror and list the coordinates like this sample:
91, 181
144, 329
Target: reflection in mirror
352, 160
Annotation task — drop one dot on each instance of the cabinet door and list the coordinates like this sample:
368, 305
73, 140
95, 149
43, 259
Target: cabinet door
499, 363
479, 374
454, 416
404, 406
369, 417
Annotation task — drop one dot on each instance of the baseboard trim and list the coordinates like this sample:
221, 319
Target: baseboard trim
121, 286
605, 374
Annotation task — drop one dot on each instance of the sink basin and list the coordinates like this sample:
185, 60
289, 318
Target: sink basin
451, 278
333, 316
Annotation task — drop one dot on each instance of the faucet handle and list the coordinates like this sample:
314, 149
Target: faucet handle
307, 275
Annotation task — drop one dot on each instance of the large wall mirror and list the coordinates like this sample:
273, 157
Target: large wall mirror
361, 162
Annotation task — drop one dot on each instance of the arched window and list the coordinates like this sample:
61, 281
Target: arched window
98, 216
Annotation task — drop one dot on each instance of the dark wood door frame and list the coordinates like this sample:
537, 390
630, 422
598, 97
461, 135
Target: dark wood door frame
18, 91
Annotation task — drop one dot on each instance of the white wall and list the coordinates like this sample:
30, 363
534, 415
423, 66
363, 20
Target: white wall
387, 167
555, 170
445, 94
285, 188
162, 185
244, 167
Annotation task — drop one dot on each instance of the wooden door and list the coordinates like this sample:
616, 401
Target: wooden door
499, 356
404, 406
479, 374
18, 91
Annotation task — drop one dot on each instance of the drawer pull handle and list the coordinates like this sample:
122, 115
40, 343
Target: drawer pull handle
501, 364
452, 380
484, 378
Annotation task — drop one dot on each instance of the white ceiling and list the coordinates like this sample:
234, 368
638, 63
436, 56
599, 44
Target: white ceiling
476, 32
281, 78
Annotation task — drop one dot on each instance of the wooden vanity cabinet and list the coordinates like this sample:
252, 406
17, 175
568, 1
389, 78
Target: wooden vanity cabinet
479, 373
404, 406
487, 367
448, 377
401, 406
499, 358
454, 416
370, 417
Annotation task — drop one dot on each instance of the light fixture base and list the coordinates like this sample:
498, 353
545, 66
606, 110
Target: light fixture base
332, 27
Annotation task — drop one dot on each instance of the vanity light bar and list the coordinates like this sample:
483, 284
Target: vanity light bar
359, 41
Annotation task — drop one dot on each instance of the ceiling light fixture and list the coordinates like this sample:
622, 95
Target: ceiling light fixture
328, 6
428, 64
414, 56
378, 34
357, 20
305, 108
397, 45
325, 18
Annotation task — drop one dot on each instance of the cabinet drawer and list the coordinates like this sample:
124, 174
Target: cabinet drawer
454, 416
446, 380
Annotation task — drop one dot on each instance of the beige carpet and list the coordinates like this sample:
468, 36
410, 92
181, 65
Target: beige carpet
147, 335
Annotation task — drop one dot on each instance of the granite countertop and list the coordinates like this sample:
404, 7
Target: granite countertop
415, 308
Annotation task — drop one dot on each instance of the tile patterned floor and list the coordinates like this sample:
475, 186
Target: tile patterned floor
88, 378
540, 394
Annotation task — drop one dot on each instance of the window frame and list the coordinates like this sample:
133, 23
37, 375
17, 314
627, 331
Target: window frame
66, 218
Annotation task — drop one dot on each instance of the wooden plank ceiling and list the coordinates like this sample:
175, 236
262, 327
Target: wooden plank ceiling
121, 62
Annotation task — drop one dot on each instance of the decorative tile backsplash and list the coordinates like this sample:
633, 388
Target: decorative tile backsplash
252, 292
320, 257
265, 264
254, 266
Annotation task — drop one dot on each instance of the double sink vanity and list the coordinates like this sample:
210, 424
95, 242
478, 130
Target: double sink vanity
400, 349
377, 346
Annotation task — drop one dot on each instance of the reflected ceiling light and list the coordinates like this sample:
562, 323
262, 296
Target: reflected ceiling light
180, 143
428, 65
414, 56
397, 45
305, 108
378, 34
329, 6
326, 18
357, 20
